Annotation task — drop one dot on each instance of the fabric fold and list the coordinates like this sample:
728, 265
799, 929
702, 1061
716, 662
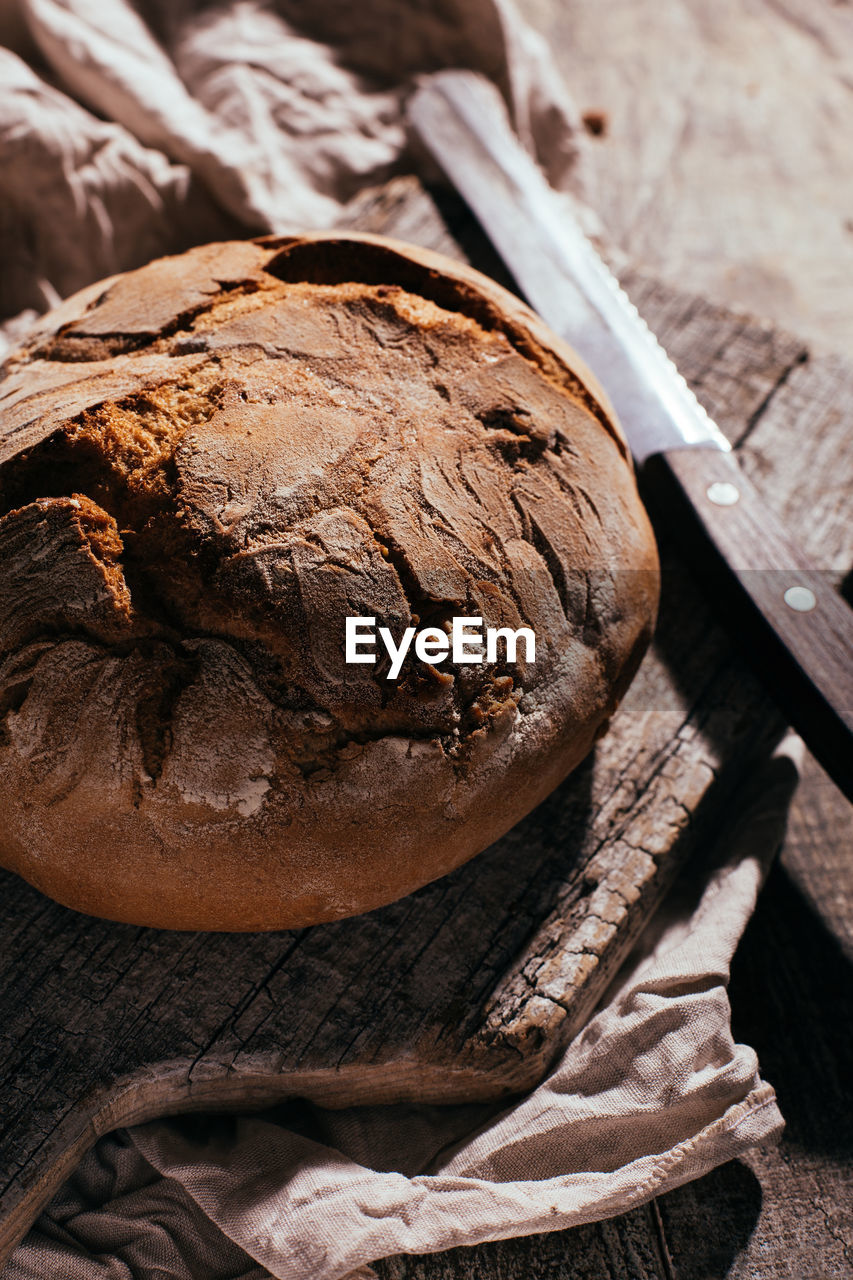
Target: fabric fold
151, 127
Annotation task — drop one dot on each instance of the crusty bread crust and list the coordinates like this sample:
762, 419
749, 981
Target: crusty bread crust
205, 466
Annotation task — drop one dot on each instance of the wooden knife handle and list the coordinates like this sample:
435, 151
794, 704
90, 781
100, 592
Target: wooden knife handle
793, 625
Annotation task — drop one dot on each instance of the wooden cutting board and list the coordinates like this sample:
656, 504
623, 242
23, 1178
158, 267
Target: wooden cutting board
465, 990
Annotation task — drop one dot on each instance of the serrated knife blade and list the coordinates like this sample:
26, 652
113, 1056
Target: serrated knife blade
555, 266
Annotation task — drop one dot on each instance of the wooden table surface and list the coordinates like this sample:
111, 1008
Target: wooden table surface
784, 1211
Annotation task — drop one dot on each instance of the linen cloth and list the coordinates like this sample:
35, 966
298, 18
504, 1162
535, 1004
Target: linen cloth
131, 131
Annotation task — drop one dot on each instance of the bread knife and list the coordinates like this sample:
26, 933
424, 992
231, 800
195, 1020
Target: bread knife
797, 629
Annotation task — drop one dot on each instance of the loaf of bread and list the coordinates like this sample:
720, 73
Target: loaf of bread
207, 466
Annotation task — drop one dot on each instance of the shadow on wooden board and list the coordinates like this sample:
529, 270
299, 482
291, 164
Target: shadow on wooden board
792, 1000
708, 1223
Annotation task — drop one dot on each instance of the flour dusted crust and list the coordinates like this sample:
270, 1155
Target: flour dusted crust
205, 466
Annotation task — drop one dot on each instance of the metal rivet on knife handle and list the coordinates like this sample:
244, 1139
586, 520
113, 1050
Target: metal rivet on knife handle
800, 599
723, 494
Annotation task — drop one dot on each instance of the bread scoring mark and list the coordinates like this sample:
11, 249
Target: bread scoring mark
118, 453
345, 260
68, 346
155, 708
15, 684
538, 539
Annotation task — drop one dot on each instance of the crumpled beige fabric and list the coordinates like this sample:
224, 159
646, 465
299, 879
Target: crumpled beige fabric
129, 131
654, 1092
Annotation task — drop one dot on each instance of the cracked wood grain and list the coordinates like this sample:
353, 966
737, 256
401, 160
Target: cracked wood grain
464, 990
